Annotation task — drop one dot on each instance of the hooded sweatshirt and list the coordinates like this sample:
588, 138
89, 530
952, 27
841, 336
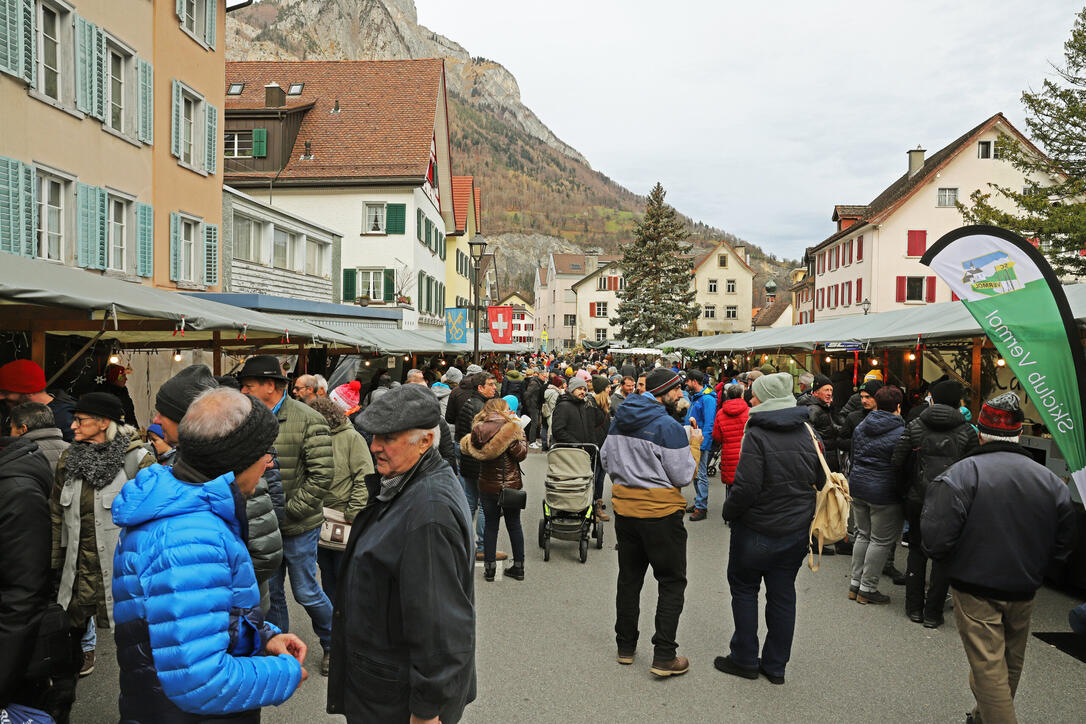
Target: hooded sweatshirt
442, 391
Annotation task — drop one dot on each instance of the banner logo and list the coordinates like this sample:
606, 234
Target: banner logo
991, 274
456, 325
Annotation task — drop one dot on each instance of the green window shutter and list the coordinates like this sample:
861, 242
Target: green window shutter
27, 190
100, 69
429, 234
17, 219
145, 128
211, 139
388, 285
418, 224
11, 33
85, 61
175, 126
101, 252
260, 142
145, 240
420, 288
350, 281
175, 247
180, 6
86, 225
30, 37
211, 254
441, 246
395, 218
211, 12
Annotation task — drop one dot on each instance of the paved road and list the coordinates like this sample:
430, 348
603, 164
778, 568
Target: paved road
546, 650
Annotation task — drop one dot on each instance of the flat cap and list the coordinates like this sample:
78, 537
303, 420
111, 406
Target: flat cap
407, 407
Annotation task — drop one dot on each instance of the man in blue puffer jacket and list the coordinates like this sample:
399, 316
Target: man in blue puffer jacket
189, 628
703, 411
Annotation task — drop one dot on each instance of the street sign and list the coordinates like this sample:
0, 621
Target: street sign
843, 346
544, 335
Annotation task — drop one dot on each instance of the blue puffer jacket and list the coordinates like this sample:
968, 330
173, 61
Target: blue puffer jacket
703, 409
187, 607
873, 478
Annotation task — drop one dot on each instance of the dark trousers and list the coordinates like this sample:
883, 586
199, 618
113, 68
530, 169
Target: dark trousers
597, 483
931, 604
493, 514
661, 543
532, 432
328, 561
755, 557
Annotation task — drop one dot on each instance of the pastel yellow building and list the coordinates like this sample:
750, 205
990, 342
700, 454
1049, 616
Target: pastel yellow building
467, 206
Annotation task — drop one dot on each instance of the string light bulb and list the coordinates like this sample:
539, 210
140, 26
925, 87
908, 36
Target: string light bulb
912, 356
874, 363
114, 359
177, 356
367, 363
828, 358
1001, 362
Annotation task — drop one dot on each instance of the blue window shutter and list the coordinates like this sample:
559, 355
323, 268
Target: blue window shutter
86, 225
101, 58
29, 38
145, 240
146, 125
211, 139
175, 125
211, 12
101, 251
211, 254
175, 247
84, 64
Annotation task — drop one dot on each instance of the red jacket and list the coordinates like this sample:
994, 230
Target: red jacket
731, 421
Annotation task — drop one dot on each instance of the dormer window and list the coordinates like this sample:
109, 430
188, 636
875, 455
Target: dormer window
235, 89
295, 89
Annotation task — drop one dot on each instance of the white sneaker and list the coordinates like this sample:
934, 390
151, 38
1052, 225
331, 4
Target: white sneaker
536, 445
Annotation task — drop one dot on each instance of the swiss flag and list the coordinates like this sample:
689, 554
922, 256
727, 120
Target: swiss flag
500, 320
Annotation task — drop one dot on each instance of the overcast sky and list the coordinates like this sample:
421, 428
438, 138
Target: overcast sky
759, 118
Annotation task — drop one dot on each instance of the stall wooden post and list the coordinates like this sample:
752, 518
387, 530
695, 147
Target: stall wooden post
37, 347
216, 353
303, 358
974, 402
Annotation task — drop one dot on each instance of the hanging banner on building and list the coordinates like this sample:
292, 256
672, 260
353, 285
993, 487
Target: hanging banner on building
456, 325
501, 324
1012, 292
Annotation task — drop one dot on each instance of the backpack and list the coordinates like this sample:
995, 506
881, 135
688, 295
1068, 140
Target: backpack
830, 522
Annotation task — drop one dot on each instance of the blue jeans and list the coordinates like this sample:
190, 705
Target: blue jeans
90, 637
701, 482
471, 492
494, 514
776, 560
300, 558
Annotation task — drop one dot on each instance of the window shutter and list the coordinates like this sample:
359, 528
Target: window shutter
17, 185
145, 240
418, 224
101, 58
211, 11
419, 287
901, 284
429, 232
211, 255
146, 125
85, 64
860, 249
929, 297
211, 138
395, 218
389, 285
260, 142
592, 309
17, 38
850, 244
954, 297
175, 126
101, 255
859, 290
350, 286
27, 190
86, 228
918, 243
180, 6
175, 247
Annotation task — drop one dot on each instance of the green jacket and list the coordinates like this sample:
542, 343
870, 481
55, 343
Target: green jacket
305, 459
352, 464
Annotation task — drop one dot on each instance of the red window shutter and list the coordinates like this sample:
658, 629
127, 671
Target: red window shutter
901, 283
954, 297
848, 291
1035, 241
860, 249
930, 296
859, 290
850, 251
918, 243
592, 309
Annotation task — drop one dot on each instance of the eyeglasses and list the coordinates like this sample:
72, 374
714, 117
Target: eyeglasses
80, 420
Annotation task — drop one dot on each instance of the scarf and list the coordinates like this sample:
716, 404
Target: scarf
97, 463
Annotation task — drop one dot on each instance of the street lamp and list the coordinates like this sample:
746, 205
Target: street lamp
478, 249
866, 306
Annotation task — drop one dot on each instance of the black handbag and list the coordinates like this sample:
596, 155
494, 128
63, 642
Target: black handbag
56, 648
513, 499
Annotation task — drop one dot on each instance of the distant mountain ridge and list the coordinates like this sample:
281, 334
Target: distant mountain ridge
535, 186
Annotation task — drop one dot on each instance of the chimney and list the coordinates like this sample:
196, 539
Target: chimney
591, 259
741, 252
274, 96
916, 160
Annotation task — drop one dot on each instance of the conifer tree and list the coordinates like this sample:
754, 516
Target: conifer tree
1054, 215
658, 301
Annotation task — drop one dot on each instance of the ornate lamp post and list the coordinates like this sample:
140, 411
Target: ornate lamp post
866, 306
478, 249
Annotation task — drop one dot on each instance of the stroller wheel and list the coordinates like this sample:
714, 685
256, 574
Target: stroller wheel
542, 532
711, 470
599, 538
546, 550
584, 549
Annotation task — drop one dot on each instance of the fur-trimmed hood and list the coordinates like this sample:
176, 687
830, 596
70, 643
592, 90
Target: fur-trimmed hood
491, 436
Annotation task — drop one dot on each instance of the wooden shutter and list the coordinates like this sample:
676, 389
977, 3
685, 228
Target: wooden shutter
350, 286
918, 243
145, 240
929, 295
211, 12
388, 285
418, 224
211, 137
419, 286
92, 208
260, 142
101, 73
902, 283
395, 218
859, 248
849, 287
86, 61
17, 39
145, 128
211, 254
180, 7
17, 213
850, 244
591, 309
175, 247
859, 290
441, 246
175, 125
102, 231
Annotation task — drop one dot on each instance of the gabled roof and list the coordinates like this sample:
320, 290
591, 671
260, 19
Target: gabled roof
384, 126
478, 210
770, 314
542, 276
463, 194
599, 270
848, 211
520, 300
705, 257
575, 263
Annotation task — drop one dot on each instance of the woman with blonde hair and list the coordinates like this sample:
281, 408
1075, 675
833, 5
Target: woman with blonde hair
497, 441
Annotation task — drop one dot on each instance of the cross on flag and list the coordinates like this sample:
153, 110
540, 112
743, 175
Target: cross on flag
500, 320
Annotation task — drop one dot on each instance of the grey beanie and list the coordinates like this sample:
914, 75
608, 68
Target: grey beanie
575, 384
774, 392
474, 369
454, 375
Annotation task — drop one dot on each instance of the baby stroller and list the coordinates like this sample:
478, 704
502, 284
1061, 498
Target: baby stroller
714, 460
568, 507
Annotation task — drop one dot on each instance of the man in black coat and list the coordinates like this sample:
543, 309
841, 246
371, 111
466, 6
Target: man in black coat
460, 393
573, 420
533, 404
483, 387
403, 641
823, 419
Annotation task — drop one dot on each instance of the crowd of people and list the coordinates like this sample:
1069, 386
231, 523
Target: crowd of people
376, 498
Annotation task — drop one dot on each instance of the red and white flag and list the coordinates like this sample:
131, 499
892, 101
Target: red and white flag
500, 320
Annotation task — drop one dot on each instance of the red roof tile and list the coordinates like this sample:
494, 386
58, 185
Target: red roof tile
478, 210
384, 126
542, 276
462, 196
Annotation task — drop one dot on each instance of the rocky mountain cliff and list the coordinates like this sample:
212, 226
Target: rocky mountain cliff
539, 193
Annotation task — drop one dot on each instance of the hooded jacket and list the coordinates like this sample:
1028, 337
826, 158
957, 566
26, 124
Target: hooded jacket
513, 384
353, 463
939, 437
703, 409
51, 443
827, 424
305, 461
872, 479
731, 421
573, 421
499, 444
999, 520
533, 394
188, 619
774, 489
25, 583
648, 456
442, 392
458, 397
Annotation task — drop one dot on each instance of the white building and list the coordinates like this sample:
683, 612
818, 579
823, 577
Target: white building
555, 299
723, 286
597, 303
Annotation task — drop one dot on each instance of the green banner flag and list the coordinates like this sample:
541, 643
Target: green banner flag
1012, 292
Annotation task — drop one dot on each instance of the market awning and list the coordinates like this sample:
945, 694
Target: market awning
948, 320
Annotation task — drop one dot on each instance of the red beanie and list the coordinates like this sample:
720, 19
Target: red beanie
23, 376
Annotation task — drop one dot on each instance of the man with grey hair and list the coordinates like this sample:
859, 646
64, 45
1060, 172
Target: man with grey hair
403, 643
322, 385
444, 440
805, 381
305, 388
415, 377
34, 421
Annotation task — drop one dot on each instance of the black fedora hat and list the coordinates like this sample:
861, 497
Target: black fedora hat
262, 366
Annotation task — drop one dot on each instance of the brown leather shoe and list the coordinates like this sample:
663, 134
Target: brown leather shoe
500, 555
676, 667
626, 657
600, 514
87, 668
